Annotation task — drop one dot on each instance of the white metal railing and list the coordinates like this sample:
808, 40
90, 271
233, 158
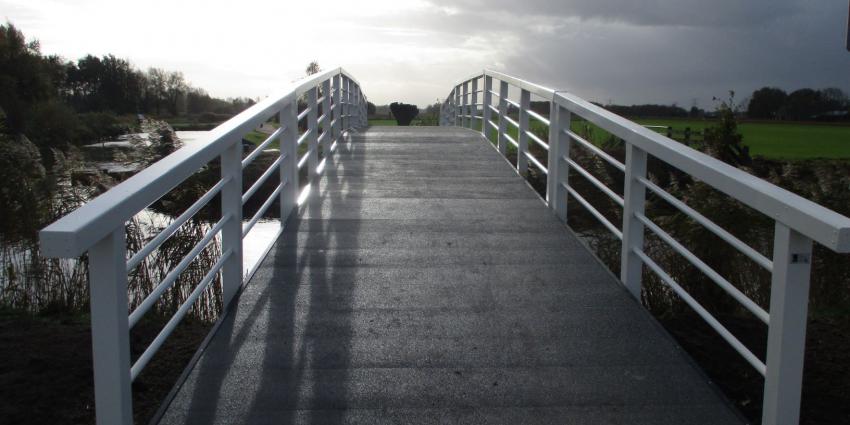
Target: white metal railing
98, 227
798, 221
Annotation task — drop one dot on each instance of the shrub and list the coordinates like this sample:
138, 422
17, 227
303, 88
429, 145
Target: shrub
404, 113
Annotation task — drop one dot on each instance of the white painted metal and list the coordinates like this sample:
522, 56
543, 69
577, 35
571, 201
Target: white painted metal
231, 212
326, 113
474, 104
98, 226
486, 106
798, 223
557, 180
633, 204
313, 138
524, 106
110, 330
786, 338
503, 113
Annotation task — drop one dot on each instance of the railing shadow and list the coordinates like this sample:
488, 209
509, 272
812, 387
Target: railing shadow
287, 343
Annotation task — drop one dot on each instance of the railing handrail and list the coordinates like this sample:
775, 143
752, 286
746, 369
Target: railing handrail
73, 234
819, 223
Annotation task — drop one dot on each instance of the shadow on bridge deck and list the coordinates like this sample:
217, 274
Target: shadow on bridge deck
429, 284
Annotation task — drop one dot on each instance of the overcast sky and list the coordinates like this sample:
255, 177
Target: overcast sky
621, 51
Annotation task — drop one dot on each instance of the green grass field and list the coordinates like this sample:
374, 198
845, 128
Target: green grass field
782, 140
789, 141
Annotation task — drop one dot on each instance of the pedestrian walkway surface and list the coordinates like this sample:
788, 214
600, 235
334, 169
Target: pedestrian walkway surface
428, 284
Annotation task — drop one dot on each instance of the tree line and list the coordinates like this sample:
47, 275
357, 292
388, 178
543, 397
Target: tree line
56, 102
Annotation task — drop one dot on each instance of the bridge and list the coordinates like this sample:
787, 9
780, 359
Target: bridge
415, 277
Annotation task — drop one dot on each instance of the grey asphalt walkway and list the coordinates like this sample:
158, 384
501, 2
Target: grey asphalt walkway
429, 285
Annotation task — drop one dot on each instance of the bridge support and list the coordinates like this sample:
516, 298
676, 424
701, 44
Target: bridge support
231, 233
289, 165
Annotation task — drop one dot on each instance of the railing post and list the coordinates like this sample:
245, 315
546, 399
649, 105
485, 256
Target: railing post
231, 232
503, 112
473, 105
559, 147
465, 113
486, 130
458, 107
313, 137
786, 336
289, 166
110, 330
326, 111
336, 109
631, 266
344, 102
522, 140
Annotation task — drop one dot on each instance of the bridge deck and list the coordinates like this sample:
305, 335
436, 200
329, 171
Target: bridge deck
429, 284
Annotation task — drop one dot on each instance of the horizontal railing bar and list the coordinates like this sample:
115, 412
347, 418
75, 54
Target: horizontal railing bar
320, 99
591, 178
274, 167
303, 114
303, 137
139, 256
544, 92
303, 159
323, 136
536, 163
593, 211
590, 146
259, 214
511, 122
169, 327
493, 124
713, 275
819, 223
172, 276
321, 119
511, 102
539, 141
511, 140
493, 108
494, 93
538, 117
262, 146
702, 312
738, 244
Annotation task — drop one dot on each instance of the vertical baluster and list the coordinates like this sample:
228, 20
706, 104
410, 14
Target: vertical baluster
110, 330
786, 339
631, 266
524, 104
503, 112
559, 147
326, 111
336, 108
289, 166
473, 122
486, 113
231, 232
312, 138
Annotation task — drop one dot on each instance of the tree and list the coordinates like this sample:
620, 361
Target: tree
313, 68
722, 140
804, 104
767, 103
834, 99
404, 113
